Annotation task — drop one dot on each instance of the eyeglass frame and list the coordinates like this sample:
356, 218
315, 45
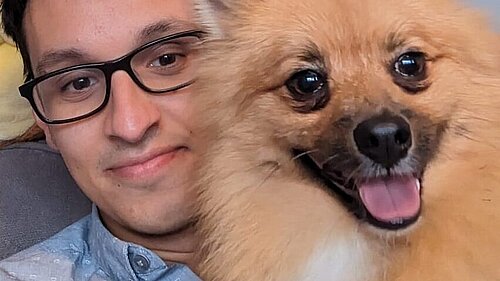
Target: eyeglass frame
108, 68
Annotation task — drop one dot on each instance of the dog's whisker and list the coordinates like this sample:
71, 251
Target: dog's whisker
329, 159
276, 166
473, 116
296, 157
351, 175
345, 189
337, 164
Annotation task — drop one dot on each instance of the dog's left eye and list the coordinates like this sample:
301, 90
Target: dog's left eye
309, 88
409, 71
411, 64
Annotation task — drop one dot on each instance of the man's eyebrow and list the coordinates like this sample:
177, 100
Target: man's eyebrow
162, 28
73, 56
50, 59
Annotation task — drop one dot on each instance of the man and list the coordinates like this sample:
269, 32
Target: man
109, 83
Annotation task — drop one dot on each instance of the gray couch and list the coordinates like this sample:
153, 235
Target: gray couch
38, 197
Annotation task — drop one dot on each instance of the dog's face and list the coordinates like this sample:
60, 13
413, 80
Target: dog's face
365, 93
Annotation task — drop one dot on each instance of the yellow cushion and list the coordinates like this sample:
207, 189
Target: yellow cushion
15, 112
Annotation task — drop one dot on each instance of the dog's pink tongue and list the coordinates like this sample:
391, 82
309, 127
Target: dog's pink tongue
391, 199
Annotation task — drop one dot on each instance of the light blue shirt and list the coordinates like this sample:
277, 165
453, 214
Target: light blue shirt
86, 250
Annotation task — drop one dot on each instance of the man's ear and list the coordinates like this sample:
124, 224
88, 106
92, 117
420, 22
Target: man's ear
48, 135
213, 14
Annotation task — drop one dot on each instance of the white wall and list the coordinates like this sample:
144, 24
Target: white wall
492, 8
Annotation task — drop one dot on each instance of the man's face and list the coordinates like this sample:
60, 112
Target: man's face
132, 159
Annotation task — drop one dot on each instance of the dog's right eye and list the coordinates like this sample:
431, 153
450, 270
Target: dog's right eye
309, 88
410, 71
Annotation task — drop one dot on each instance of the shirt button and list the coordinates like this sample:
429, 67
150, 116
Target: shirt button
140, 263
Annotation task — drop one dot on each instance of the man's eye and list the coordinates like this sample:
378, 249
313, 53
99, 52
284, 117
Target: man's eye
166, 60
79, 84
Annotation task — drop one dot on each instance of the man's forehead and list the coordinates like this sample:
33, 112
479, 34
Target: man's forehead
104, 28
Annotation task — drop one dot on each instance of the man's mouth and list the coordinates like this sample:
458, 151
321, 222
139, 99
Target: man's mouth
391, 202
146, 166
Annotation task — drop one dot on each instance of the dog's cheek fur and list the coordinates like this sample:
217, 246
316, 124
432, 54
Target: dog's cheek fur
457, 239
242, 134
459, 220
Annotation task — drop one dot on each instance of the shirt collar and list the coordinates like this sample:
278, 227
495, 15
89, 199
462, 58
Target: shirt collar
121, 260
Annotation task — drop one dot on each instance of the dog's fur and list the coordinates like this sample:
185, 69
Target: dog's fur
263, 217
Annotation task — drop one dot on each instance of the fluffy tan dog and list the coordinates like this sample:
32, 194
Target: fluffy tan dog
332, 128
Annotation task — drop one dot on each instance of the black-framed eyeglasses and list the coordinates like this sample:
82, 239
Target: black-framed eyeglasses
77, 92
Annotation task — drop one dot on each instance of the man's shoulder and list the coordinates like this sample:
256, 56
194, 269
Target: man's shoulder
52, 259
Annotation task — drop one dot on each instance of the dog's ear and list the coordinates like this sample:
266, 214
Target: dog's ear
213, 14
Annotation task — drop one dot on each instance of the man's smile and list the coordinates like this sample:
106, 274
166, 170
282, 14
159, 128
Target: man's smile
146, 166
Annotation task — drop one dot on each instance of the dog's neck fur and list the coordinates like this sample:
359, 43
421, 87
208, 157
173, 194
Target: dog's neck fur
255, 218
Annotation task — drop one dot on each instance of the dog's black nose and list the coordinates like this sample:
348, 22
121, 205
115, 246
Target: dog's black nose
385, 139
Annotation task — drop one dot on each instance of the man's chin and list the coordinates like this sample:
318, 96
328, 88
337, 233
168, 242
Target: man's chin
176, 236
138, 220
168, 228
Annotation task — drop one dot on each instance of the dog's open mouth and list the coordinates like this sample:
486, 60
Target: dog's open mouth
390, 202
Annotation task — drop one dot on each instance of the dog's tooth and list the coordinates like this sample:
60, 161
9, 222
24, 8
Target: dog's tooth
397, 221
418, 184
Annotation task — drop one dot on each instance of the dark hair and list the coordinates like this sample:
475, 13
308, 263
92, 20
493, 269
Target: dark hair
12, 18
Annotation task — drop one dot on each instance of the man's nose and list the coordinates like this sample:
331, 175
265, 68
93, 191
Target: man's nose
133, 114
